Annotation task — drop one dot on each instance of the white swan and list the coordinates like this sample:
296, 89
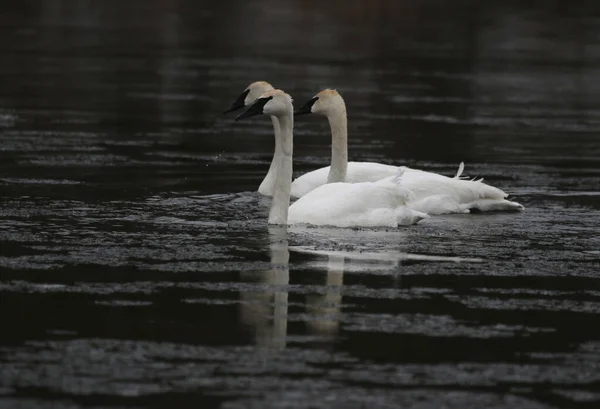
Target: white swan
356, 171
246, 98
366, 204
429, 192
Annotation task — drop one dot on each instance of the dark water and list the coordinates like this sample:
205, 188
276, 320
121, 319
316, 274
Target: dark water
137, 269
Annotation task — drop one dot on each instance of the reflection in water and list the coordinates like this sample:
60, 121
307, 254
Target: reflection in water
110, 105
393, 257
267, 311
326, 308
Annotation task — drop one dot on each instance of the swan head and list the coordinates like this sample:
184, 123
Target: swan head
275, 103
250, 94
325, 103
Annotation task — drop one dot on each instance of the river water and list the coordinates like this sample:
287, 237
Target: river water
136, 265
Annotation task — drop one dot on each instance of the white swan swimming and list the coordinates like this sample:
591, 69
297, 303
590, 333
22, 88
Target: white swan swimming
429, 192
367, 204
246, 98
355, 171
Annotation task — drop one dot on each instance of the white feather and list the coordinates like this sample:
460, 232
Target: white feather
429, 192
357, 172
367, 204
432, 193
460, 170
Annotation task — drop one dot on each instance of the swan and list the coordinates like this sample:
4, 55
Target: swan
246, 98
366, 204
355, 171
429, 192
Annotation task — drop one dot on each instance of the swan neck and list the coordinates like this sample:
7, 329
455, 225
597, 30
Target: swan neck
266, 187
283, 178
276, 132
338, 123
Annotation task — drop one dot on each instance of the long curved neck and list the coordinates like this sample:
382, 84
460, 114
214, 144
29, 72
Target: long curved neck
266, 187
277, 133
339, 146
283, 180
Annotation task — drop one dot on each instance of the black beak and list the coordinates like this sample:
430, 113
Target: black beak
239, 103
254, 109
306, 108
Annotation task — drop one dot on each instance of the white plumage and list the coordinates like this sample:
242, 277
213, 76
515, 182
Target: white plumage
437, 194
357, 172
428, 192
366, 204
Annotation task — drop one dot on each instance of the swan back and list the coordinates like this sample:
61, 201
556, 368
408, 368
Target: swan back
366, 204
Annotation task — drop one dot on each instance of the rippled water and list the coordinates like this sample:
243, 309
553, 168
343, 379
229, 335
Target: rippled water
136, 266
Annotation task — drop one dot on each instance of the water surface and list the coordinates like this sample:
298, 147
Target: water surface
136, 266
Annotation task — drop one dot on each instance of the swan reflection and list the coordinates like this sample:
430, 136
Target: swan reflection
325, 308
265, 307
266, 311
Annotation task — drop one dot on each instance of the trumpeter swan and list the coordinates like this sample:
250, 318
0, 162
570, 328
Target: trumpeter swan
356, 171
339, 204
429, 192
246, 98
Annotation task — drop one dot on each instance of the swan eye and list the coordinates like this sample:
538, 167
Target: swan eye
254, 109
239, 102
306, 108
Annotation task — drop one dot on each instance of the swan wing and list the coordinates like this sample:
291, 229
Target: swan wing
345, 205
368, 172
309, 181
437, 194
366, 204
429, 183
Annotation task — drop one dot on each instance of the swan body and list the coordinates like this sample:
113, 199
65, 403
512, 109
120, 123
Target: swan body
428, 192
357, 172
366, 204
436, 194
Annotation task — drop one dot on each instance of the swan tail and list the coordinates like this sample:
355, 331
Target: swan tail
492, 205
438, 204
